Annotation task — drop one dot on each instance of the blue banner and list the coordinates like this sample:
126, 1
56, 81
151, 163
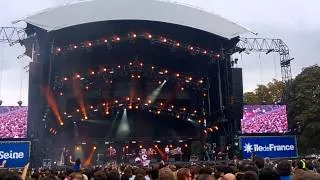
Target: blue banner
14, 154
268, 146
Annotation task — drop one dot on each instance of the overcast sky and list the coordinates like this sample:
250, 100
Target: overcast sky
294, 21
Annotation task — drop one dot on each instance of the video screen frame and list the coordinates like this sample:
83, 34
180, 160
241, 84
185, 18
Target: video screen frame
264, 119
13, 122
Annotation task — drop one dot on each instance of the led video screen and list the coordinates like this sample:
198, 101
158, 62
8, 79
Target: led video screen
13, 122
264, 119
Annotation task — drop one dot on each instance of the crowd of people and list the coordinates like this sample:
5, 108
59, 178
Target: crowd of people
13, 122
264, 119
256, 169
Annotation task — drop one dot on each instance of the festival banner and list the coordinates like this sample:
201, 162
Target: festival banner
14, 154
268, 146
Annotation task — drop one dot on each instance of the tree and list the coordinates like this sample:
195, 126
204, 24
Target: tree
265, 94
304, 108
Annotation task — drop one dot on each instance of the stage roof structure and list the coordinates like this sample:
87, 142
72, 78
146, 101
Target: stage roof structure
150, 10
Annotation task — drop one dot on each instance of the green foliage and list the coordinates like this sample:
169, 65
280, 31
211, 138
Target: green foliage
265, 94
304, 108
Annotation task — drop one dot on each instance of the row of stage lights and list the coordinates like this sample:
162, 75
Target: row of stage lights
135, 71
170, 146
134, 36
157, 108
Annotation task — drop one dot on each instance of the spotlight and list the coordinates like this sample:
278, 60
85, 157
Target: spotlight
116, 101
105, 41
128, 99
199, 121
138, 99
127, 147
191, 48
86, 117
78, 148
149, 101
156, 146
75, 46
182, 88
177, 75
190, 78
204, 52
201, 81
166, 71
185, 145
92, 72
94, 147
78, 76
59, 49
137, 107
164, 40
61, 123
177, 44
89, 44
178, 116
87, 87
61, 94
152, 67
140, 146
91, 107
158, 112
104, 69
130, 107
141, 64
107, 113
19, 103
170, 146
65, 78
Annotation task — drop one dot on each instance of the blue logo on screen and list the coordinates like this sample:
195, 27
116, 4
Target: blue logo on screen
14, 154
273, 147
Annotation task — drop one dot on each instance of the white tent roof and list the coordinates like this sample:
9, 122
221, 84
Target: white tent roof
151, 10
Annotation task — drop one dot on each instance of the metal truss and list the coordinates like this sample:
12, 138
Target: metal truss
12, 35
268, 46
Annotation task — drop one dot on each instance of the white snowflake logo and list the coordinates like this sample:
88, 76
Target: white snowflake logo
248, 148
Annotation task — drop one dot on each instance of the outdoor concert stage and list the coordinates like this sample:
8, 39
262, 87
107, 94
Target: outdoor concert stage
121, 71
